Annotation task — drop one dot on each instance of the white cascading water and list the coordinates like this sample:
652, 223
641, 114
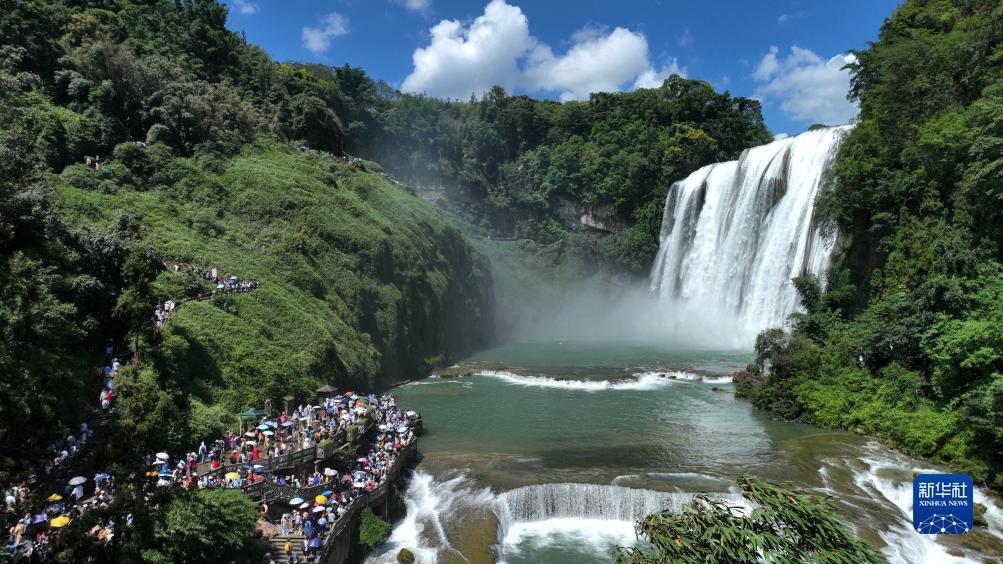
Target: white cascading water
734, 234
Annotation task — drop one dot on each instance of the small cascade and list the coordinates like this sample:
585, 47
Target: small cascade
734, 234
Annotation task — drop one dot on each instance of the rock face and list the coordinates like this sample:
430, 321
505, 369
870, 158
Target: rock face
600, 217
405, 556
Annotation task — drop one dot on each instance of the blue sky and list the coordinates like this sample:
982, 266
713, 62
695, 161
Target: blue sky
787, 53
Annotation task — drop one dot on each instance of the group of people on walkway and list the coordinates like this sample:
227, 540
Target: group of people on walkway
226, 284
314, 519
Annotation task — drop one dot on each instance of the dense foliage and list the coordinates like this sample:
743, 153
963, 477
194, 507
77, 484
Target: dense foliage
784, 526
918, 289
372, 530
362, 282
528, 168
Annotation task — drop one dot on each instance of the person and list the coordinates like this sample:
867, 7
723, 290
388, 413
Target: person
202, 451
284, 524
287, 548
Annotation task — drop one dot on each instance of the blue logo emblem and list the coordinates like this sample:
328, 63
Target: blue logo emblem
943, 504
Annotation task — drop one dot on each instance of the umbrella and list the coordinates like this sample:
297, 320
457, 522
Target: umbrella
163, 456
411, 413
259, 467
402, 429
101, 477
318, 509
359, 485
355, 397
322, 521
287, 424
247, 467
40, 518
321, 500
76, 481
251, 443
231, 475
330, 472
269, 433
60, 521
304, 505
262, 427
296, 501
271, 423
250, 434
326, 493
359, 475
55, 497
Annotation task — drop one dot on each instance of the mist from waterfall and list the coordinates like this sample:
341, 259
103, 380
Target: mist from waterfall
735, 233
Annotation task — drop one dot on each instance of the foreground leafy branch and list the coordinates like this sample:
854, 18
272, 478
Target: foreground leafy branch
785, 526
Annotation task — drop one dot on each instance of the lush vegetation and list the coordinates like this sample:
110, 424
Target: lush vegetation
918, 289
372, 530
363, 283
784, 526
526, 168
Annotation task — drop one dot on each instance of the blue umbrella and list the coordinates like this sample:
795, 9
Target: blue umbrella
296, 501
40, 518
259, 467
326, 493
269, 433
322, 521
287, 424
262, 427
271, 423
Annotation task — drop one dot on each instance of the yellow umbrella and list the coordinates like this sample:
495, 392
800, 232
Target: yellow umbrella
232, 476
55, 497
60, 521
321, 500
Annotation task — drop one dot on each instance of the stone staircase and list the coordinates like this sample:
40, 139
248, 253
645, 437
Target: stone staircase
295, 553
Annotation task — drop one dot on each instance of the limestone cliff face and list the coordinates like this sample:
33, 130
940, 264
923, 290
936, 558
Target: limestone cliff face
600, 217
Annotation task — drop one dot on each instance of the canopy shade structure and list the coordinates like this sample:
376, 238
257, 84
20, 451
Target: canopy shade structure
327, 389
251, 414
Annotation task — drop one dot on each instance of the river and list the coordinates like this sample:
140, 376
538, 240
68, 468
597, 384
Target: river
551, 450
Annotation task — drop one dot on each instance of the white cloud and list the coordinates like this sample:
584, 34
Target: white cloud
599, 64
461, 60
318, 39
244, 7
686, 39
497, 48
416, 6
651, 78
784, 18
809, 88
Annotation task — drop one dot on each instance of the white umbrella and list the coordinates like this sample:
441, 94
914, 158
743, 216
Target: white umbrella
78, 480
330, 472
163, 456
318, 509
305, 505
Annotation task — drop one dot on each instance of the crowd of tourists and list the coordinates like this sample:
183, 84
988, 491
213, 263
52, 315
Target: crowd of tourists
28, 536
314, 519
225, 284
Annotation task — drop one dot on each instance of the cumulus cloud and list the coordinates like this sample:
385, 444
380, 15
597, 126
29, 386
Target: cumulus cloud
497, 48
245, 7
416, 6
461, 60
318, 39
597, 64
807, 87
651, 78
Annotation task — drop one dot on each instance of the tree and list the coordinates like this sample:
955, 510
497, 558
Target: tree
216, 525
783, 526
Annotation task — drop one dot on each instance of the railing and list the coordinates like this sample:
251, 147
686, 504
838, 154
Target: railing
404, 457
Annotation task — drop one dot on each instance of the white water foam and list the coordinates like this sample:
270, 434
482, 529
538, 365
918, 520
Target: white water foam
904, 544
642, 382
734, 234
593, 517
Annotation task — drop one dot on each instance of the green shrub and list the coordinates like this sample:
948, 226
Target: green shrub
373, 531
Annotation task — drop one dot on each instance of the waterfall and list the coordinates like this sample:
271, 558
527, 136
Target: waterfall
734, 234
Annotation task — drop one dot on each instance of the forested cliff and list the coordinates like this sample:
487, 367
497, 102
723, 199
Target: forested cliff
137, 136
917, 291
